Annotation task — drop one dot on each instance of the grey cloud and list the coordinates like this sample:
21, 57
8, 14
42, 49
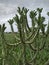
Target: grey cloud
7, 11
8, 8
25, 2
4, 9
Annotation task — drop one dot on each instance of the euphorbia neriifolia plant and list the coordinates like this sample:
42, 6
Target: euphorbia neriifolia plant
3, 44
30, 41
11, 24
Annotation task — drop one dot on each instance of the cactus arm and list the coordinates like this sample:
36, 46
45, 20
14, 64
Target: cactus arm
30, 36
3, 43
35, 49
12, 28
15, 44
20, 32
34, 57
24, 54
19, 25
30, 62
17, 38
11, 22
23, 33
31, 41
32, 47
43, 44
3, 56
28, 26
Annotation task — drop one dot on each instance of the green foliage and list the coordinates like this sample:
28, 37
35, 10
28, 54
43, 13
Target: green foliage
28, 46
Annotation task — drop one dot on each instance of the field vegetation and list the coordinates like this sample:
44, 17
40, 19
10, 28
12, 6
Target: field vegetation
29, 45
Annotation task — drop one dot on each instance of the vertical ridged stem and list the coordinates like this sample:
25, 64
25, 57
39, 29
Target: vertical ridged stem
24, 54
3, 59
3, 51
12, 28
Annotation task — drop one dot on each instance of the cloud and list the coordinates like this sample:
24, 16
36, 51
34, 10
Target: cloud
8, 8
7, 11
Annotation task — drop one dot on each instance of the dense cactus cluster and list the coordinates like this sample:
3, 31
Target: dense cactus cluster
27, 39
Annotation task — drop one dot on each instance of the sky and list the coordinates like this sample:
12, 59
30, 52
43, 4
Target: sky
8, 9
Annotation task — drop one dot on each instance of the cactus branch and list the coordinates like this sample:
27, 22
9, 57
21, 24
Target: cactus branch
32, 47
34, 57
30, 42
15, 44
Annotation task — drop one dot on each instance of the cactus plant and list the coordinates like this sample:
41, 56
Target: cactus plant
27, 36
11, 22
2, 29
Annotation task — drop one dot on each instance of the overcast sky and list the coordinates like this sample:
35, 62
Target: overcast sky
8, 8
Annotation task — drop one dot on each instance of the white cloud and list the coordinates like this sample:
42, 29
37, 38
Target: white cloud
6, 11
8, 8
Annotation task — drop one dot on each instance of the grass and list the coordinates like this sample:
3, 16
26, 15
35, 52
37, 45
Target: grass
14, 53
